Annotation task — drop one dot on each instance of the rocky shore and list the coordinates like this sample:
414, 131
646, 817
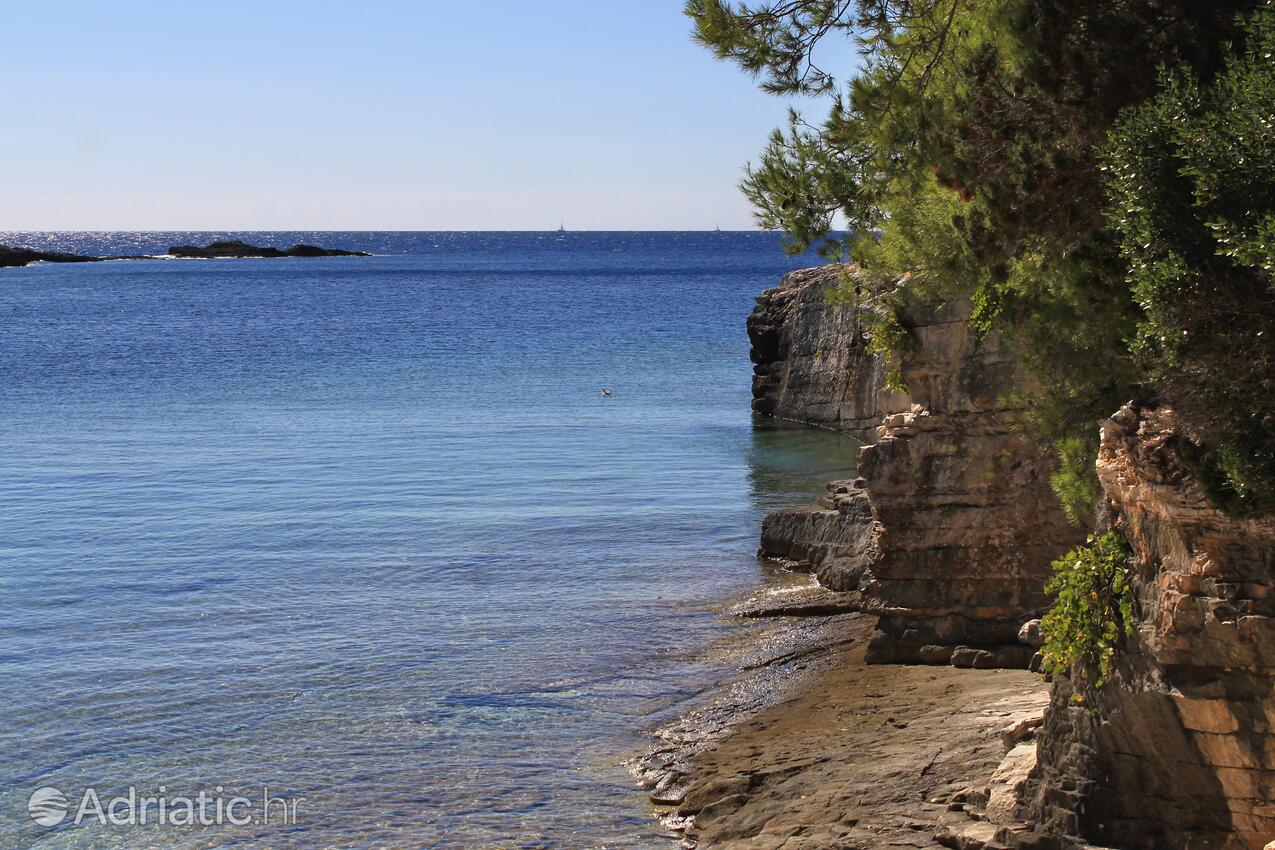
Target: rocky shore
870, 734
813, 748
866, 756
18, 256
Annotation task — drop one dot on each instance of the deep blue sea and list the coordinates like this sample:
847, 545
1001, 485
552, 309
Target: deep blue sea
366, 532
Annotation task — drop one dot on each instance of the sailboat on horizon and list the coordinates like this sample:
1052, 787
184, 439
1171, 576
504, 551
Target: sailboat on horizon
562, 226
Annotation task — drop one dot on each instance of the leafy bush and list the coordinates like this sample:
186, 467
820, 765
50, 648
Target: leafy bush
1191, 175
1092, 610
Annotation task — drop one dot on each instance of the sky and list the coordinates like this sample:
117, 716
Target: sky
378, 114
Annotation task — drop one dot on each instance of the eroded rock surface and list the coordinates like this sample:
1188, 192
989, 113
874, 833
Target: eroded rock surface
869, 757
810, 362
950, 530
966, 523
834, 539
1182, 751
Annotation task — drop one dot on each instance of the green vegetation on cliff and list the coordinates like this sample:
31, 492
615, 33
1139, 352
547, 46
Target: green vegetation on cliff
1096, 176
1191, 176
1092, 610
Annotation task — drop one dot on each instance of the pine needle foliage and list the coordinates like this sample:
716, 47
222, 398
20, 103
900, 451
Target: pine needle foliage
1093, 175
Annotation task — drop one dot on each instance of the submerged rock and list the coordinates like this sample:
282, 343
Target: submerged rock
811, 601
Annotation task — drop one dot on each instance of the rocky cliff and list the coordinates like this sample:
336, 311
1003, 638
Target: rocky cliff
947, 535
1179, 751
950, 529
809, 358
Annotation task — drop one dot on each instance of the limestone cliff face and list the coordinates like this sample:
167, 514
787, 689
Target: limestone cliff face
1182, 752
948, 533
809, 358
950, 529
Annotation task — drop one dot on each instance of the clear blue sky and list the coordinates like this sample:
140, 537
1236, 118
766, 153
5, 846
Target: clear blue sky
501, 114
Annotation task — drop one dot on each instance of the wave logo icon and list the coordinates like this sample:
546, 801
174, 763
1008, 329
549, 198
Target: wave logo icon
47, 806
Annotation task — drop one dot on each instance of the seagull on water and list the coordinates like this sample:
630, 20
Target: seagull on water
606, 390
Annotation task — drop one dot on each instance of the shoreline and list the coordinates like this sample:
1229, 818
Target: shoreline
873, 730
810, 747
800, 628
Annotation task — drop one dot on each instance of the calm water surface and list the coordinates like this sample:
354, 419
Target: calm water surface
366, 532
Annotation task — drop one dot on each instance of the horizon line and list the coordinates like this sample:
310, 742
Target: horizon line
382, 230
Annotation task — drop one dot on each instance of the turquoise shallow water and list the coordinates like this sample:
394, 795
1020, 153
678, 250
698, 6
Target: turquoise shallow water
366, 532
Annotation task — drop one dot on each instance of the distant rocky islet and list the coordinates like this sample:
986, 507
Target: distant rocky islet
11, 256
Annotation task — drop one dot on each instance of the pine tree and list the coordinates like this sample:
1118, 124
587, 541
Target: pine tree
971, 145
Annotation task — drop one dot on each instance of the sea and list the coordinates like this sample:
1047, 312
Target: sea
356, 550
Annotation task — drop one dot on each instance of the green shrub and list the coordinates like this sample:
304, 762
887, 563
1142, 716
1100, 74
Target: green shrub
1096, 178
1238, 475
1092, 610
1191, 175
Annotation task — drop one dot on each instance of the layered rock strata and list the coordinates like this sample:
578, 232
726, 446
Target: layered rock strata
834, 539
1179, 751
950, 529
810, 362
